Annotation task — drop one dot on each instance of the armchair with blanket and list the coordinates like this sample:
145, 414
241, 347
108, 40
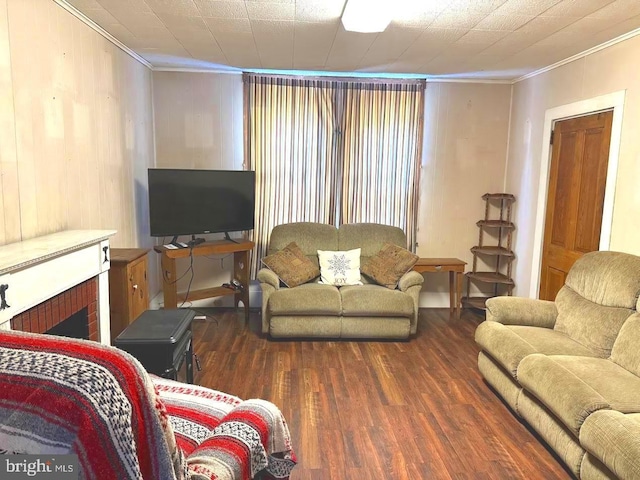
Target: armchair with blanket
66, 396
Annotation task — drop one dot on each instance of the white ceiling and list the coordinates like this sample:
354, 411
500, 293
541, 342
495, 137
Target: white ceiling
493, 39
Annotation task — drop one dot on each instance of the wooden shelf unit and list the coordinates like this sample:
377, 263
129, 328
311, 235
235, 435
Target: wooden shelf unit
499, 256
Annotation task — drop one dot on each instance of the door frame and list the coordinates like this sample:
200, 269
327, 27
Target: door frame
609, 101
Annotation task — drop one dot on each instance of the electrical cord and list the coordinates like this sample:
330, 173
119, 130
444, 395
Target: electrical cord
164, 272
170, 282
186, 297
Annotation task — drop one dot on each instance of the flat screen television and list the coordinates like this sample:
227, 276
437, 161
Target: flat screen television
191, 202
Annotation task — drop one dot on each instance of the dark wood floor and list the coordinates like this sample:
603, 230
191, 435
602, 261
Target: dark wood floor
378, 410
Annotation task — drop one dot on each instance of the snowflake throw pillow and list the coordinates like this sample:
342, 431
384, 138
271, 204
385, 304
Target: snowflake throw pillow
340, 268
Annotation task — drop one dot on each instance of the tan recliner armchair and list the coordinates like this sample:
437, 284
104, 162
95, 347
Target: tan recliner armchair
557, 363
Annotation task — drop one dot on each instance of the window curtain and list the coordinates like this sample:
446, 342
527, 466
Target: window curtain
291, 144
332, 151
382, 145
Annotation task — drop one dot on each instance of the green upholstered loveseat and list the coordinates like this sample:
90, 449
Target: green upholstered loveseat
571, 368
353, 311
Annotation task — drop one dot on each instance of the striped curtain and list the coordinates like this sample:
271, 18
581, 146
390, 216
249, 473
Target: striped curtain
292, 146
332, 151
382, 147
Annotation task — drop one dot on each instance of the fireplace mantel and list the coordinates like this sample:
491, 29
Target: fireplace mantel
35, 270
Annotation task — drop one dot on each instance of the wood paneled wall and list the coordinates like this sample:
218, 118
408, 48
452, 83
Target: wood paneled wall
199, 124
198, 120
76, 128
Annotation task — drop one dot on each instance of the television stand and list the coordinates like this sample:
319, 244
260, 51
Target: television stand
240, 249
227, 237
190, 244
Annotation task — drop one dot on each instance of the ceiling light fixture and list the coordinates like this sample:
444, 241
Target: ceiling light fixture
367, 16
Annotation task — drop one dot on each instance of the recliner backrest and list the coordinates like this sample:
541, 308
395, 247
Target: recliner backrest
625, 350
309, 236
600, 293
370, 237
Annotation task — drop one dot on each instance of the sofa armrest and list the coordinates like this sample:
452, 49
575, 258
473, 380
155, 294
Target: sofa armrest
522, 311
269, 283
613, 438
269, 277
410, 279
411, 284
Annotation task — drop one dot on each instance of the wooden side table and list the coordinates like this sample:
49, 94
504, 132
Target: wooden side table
128, 287
241, 251
455, 267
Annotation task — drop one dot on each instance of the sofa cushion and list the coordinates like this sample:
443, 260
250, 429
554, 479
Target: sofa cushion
569, 398
388, 265
340, 267
626, 349
574, 387
509, 344
307, 299
593, 325
375, 301
618, 386
291, 265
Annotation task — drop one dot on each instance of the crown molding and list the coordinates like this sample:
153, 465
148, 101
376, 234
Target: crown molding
428, 78
469, 80
577, 56
97, 28
197, 70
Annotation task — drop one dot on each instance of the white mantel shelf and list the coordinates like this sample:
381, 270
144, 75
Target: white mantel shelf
40, 268
16, 256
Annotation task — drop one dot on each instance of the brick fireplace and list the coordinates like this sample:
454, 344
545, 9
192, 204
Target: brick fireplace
80, 301
58, 281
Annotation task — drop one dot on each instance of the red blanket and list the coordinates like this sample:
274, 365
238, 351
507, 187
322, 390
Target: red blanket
73, 396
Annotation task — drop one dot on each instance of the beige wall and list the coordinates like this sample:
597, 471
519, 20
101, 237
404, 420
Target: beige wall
465, 146
198, 119
612, 69
76, 128
199, 124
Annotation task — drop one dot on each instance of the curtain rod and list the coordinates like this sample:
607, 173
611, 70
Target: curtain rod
326, 78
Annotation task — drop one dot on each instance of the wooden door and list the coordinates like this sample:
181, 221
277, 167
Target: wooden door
579, 159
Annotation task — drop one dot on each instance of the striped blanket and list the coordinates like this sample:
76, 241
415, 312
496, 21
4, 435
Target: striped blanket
73, 396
